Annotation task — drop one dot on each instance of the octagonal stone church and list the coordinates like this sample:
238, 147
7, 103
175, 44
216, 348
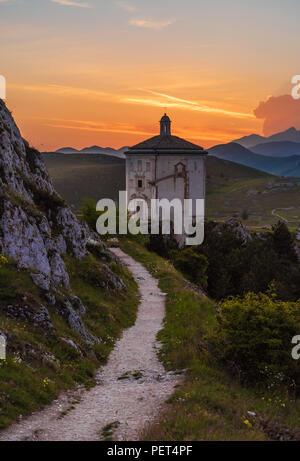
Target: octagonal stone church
165, 166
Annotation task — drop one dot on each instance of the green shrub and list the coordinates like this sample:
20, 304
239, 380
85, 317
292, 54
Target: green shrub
89, 213
193, 265
254, 337
162, 244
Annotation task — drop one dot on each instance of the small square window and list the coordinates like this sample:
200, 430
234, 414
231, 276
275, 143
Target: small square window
140, 183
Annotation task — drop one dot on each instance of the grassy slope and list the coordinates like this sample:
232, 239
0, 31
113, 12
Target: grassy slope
210, 405
233, 188
77, 176
39, 364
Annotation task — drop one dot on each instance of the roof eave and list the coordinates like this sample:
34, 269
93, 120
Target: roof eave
166, 151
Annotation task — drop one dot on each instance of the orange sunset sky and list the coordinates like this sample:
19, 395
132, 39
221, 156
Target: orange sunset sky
88, 72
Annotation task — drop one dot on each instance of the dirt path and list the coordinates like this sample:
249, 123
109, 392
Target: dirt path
127, 404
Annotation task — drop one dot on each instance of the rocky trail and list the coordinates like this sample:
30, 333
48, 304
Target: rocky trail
130, 390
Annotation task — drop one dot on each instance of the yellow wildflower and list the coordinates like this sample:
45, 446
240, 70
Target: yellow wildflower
247, 423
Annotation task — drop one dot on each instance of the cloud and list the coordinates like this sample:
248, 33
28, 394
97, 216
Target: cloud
86, 125
126, 6
60, 90
211, 135
148, 24
72, 3
279, 113
166, 100
172, 98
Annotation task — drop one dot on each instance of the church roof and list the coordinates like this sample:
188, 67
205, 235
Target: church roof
166, 143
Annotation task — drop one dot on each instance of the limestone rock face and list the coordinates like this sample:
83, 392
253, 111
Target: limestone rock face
37, 227
38, 317
21, 238
74, 233
66, 309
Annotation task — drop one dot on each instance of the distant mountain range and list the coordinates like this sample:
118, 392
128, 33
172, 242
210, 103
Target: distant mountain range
277, 149
252, 140
288, 166
278, 154
94, 150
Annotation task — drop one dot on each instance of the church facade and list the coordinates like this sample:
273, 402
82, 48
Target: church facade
165, 166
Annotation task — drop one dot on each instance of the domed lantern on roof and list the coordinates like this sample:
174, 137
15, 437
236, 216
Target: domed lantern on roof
165, 126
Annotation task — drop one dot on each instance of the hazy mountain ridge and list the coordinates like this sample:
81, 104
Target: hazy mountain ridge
281, 166
94, 150
277, 148
252, 140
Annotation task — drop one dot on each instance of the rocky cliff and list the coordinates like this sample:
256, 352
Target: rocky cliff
37, 228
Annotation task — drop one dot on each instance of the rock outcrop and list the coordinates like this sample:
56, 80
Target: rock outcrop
237, 228
36, 226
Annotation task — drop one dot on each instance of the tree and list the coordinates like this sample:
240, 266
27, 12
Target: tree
283, 241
